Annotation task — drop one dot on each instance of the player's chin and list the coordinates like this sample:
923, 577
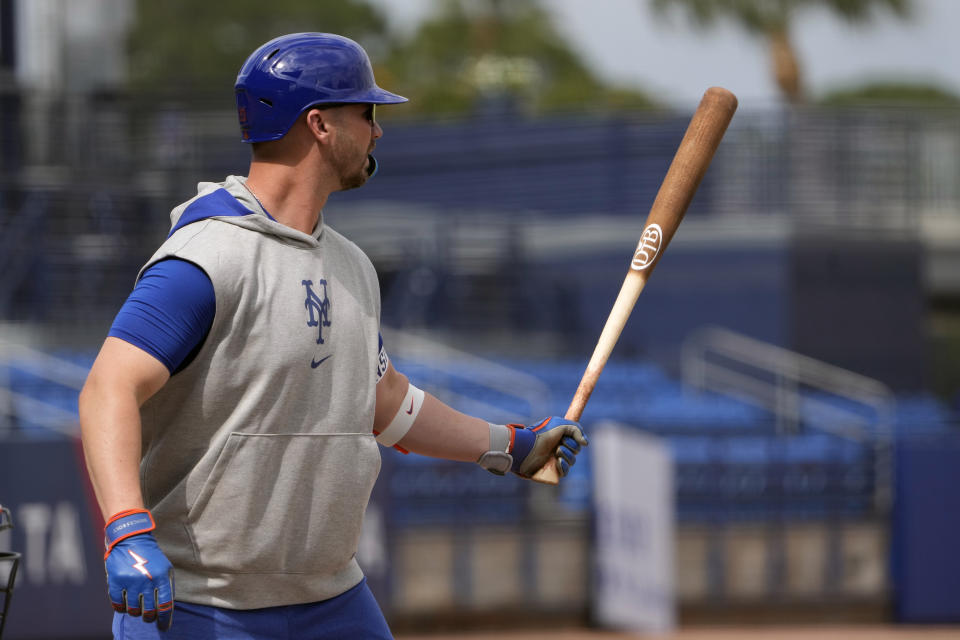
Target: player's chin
354, 181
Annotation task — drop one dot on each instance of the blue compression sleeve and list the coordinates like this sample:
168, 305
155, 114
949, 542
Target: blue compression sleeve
169, 313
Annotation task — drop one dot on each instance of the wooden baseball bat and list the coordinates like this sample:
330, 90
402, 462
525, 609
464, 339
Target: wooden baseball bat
689, 165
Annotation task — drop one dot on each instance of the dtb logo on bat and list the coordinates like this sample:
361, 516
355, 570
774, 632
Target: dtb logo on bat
648, 248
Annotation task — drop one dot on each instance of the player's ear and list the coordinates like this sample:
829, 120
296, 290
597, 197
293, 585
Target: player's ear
318, 123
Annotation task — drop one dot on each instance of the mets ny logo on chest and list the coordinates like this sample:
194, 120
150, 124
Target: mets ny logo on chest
318, 312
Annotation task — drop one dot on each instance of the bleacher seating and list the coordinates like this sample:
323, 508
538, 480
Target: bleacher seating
731, 464
38, 401
639, 394
730, 461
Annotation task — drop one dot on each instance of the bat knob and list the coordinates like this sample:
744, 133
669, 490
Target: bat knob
548, 473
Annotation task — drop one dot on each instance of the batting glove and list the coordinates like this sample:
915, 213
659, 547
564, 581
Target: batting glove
139, 576
524, 449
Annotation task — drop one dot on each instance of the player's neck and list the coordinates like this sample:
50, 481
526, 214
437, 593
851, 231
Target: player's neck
288, 195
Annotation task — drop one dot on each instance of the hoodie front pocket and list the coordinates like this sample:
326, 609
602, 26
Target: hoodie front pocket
284, 503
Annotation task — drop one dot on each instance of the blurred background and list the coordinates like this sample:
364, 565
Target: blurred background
775, 437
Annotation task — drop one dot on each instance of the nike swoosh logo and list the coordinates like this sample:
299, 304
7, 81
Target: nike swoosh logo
316, 363
410, 410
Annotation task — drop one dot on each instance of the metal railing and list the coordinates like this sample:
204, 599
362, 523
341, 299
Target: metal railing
15, 405
802, 393
445, 361
450, 363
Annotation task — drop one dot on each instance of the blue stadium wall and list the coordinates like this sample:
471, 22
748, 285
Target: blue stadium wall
925, 565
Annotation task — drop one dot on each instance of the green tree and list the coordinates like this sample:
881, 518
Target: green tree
772, 19
492, 52
892, 93
196, 48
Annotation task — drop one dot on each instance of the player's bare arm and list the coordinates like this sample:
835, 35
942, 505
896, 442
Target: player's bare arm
439, 431
427, 426
122, 378
139, 576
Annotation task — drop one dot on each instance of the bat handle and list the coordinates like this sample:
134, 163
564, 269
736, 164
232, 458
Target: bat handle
579, 402
632, 286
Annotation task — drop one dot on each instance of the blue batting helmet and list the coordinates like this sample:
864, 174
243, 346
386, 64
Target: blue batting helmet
290, 74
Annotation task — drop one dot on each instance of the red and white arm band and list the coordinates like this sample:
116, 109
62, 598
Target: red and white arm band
406, 415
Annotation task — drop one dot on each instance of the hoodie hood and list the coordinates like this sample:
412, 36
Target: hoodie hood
230, 201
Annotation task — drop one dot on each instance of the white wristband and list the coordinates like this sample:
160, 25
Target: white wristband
406, 415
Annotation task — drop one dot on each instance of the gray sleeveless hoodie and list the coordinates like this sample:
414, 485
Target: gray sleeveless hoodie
259, 457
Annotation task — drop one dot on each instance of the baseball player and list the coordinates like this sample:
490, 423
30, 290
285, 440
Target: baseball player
231, 419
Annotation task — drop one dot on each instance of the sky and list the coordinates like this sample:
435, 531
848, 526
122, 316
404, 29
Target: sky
628, 45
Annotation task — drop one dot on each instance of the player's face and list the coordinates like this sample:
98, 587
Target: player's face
351, 150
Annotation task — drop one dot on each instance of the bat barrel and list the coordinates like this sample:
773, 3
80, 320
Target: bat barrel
690, 163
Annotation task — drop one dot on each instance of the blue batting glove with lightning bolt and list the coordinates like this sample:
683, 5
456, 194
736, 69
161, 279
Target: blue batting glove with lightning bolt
139, 576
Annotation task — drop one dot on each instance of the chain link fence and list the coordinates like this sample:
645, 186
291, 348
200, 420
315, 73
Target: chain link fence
87, 183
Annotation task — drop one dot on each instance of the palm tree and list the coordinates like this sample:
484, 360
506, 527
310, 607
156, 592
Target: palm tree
771, 19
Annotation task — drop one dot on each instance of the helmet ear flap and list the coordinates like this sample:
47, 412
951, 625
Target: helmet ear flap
243, 113
257, 116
